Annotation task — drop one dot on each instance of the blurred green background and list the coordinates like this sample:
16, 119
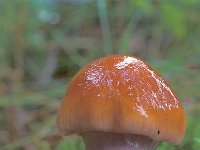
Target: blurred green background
44, 43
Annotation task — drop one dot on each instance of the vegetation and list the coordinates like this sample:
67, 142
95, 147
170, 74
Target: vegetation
44, 43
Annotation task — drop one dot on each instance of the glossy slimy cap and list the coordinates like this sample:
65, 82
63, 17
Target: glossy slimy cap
121, 94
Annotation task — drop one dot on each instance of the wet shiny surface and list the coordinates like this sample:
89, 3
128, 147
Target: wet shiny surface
122, 94
139, 82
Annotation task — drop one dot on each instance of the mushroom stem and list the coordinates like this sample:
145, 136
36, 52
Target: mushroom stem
117, 141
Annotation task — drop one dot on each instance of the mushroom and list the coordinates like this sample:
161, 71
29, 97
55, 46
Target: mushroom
119, 102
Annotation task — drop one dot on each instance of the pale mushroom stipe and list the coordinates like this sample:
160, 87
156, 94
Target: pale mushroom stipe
119, 102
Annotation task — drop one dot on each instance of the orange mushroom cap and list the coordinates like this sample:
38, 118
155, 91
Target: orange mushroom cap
121, 94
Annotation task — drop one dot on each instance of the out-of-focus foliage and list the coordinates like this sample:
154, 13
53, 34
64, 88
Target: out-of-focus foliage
44, 43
